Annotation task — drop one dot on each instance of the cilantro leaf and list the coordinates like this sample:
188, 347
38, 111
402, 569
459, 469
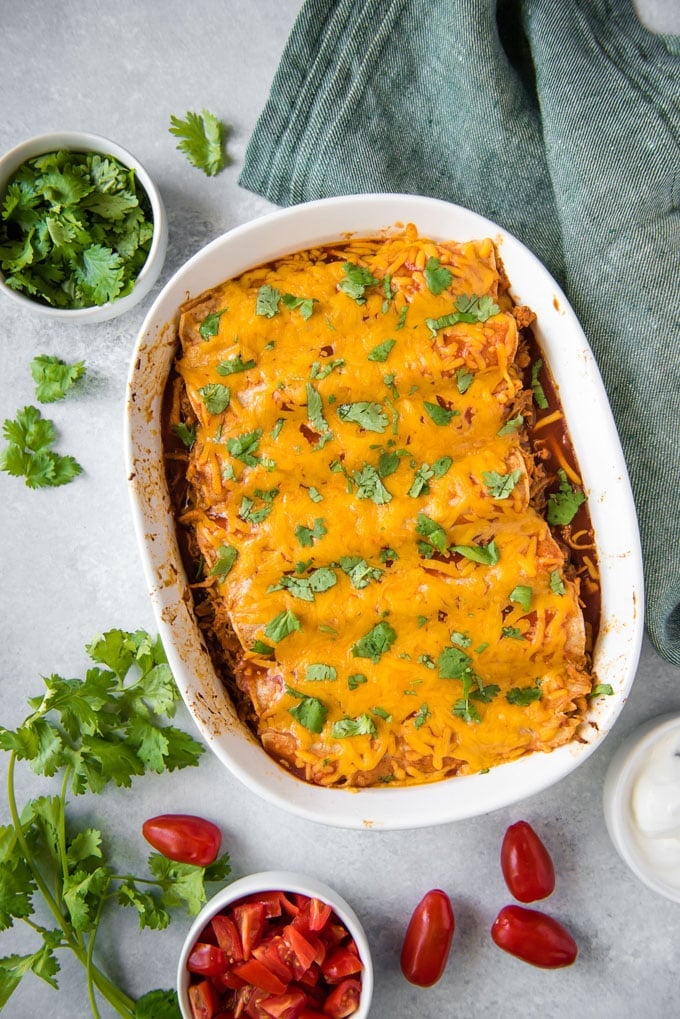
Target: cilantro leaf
320, 673
310, 712
267, 301
357, 278
375, 643
434, 532
305, 305
368, 415
210, 325
315, 415
215, 396
233, 365
501, 486
185, 433
307, 535
282, 625
157, 1005
537, 389
369, 485
563, 505
467, 309
362, 725
359, 571
524, 695
201, 139
522, 596
487, 555
243, 447
437, 276
382, 351
440, 415
54, 377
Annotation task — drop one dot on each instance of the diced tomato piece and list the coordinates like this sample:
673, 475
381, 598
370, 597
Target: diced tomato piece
339, 964
255, 972
208, 960
285, 1006
274, 953
310, 978
227, 936
288, 905
313, 916
249, 920
305, 952
270, 900
228, 981
311, 1013
203, 1000
343, 999
253, 1007
334, 933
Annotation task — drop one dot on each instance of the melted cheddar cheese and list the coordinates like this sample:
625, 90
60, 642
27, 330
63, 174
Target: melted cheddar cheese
359, 489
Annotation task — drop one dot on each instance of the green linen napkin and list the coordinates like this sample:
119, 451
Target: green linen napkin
558, 120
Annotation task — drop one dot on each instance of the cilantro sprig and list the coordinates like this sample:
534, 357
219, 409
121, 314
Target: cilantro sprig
75, 229
53, 377
29, 453
107, 729
201, 138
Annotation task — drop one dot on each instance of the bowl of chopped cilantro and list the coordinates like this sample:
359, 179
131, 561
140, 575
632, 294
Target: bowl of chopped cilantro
83, 231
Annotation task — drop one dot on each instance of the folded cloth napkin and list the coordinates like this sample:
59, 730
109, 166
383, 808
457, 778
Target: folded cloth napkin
559, 121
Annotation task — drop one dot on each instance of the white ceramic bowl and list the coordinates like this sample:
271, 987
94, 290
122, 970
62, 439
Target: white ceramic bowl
285, 881
82, 141
603, 468
652, 860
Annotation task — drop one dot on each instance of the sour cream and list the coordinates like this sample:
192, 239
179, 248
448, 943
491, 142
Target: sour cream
641, 801
655, 802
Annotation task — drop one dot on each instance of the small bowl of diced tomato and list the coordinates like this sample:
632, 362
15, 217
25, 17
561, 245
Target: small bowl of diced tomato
276, 945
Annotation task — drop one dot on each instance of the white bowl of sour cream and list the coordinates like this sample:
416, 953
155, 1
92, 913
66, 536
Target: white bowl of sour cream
641, 801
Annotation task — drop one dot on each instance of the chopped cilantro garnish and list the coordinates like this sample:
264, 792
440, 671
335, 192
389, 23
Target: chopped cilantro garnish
314, 494
282, 625
243, 447
430, 529
320, 673
513, 632
75, 229
185, 434
461, 639
537, 389
421, 716
356, 679
321, 371
226, 557
563, 504
310, 712
369, 485
357, 278
53, 377
215, 397
367, 415
210, 325
523, 695
487, 555
382, 351
602, 690
556, 582
267, 302
315, 416
233, 365
306, 535
501, 486
453, 663
362, 725
305, 305
468, 309
202, 136
440, 415
464, 380
260, 648
381, 713
437, 276
522, 596
359, 571
375, 643
511, 425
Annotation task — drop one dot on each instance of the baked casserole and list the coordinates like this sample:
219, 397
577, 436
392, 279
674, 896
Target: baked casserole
383, 522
